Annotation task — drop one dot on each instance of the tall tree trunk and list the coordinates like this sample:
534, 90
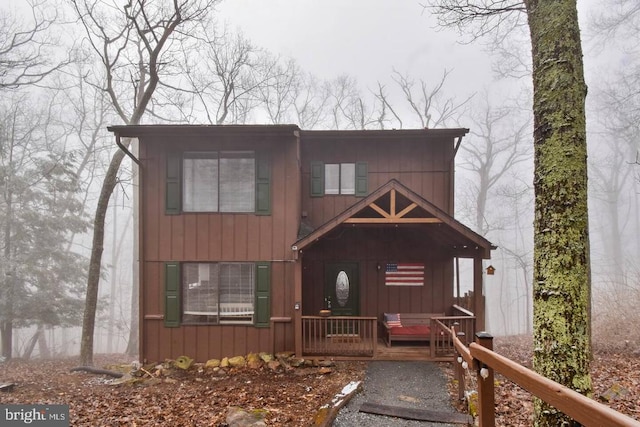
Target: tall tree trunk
561, 241
93, 280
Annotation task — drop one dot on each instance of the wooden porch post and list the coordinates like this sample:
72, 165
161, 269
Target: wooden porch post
297, 311
486, 391
478, 296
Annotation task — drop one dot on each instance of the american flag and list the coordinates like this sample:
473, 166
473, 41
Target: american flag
404, 274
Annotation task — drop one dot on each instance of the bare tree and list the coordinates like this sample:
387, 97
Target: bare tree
310, 102
232, 77
431, 107
562, 287
28, 46
496, 145
137, 44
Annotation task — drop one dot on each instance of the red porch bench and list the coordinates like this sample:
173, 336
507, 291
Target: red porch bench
407, 326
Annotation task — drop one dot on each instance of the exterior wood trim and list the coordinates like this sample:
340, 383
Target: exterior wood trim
392, 221
391, 217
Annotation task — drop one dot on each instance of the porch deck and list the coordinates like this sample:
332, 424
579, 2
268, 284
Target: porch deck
358, 338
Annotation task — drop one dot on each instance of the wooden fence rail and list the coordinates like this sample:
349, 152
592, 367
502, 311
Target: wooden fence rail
480, 355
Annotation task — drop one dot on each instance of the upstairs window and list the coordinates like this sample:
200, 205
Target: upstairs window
219, 181
339, 179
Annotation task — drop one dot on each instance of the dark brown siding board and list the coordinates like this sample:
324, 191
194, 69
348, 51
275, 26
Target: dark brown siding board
151, 290
190, 237
228, 238
177, 234
213, 342
253, 236
177, 342
215, 241
190, 341
227, 341
202, 234
252, 339
265, 234
239, 341
201, 353
150, 340
150, 204
240, 237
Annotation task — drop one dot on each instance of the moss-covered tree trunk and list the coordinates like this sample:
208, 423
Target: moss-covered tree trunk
561, 291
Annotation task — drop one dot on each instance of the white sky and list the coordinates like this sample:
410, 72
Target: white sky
364, 39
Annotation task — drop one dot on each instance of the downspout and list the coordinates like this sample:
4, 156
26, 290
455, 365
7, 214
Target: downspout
127, 152
455, 150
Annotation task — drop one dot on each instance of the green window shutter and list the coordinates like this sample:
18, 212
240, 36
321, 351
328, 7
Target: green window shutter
263, 184
171, 294
317, 179
263, 295
173, 193
362, 186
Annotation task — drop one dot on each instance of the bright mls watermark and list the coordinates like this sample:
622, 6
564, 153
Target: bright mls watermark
34, 415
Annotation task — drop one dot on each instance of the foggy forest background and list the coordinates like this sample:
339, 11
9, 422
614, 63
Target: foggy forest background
69, 69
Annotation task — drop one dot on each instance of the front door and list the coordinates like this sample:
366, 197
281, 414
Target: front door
341, 288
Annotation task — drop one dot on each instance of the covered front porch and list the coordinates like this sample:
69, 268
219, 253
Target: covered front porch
355, 337
392, 252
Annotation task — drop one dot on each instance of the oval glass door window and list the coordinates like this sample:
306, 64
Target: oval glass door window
342, 288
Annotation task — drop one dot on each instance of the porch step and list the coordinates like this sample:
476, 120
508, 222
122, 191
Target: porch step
416, 414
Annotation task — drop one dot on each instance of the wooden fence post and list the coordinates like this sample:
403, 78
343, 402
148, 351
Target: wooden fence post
459, 369
485, 380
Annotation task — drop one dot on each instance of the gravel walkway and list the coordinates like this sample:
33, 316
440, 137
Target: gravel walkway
419, 385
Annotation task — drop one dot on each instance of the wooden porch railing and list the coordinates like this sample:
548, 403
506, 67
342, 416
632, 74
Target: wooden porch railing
485, 361
441, 343
339, 336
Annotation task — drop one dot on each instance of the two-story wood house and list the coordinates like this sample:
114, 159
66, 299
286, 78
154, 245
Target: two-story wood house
248, 232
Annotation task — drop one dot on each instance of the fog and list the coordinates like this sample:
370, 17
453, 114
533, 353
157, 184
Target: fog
348, 60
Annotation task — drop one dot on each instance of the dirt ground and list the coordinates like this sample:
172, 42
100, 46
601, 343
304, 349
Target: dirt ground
201, 396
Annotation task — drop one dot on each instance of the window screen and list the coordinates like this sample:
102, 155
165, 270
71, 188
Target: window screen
218, 292
340, 178
219, 181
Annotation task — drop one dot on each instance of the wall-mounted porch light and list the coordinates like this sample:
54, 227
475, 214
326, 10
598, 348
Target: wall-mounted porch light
491, 270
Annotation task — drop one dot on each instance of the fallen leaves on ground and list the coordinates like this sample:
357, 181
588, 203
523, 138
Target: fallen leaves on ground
201, 397
193, 397
619, 369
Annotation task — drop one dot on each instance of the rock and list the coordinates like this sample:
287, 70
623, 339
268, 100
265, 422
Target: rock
326, 363
274, 365
296, 362
238, 417
238, 362
266, 357
224, 363
324, 370
183, 362
284, 354
614, 392
212, 363
254, 361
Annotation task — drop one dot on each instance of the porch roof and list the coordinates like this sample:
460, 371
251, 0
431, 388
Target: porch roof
393, 204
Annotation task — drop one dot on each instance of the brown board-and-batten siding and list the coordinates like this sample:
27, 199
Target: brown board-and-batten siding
213, 237
424, 164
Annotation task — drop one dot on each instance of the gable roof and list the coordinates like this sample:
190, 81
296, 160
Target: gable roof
395, 204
